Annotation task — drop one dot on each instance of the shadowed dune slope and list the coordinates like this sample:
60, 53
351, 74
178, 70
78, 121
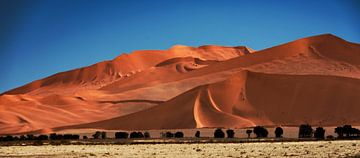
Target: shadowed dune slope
310, 80
248, 99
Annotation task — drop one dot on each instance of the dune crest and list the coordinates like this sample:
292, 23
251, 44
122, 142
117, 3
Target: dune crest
312, 80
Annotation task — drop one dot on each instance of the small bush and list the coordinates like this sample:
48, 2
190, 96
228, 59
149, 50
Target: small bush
319, 133
279, 132
53, 136
305, 131
197, 134
42, 137
121, 135
169, 135
230, 133
179, 135
219, 133
146, 134
103, 135
136, 135
96, 135
260, 132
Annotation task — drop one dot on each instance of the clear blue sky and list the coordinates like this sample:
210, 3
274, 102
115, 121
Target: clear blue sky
41, 37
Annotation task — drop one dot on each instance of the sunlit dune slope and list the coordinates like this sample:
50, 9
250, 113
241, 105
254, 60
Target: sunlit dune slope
310, 80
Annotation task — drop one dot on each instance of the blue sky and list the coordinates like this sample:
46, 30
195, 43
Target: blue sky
41, 37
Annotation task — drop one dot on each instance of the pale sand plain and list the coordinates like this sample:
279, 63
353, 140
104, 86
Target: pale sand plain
349, 148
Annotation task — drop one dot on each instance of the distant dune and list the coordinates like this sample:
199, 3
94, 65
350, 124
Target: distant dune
312, 80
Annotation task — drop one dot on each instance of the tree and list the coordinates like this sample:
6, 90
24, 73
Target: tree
347, 130
305, 131
339, 131
22, 137
42, 137
53, 136
279, 132
197, 134
179, 135
230, 133
319, 133
146, 134
8, 138
169, 135
103, 135
67, 136
219, 133
75, 136
121, 135
248, 132
136, 135
140, 135
96, 135
30, 137
260, 131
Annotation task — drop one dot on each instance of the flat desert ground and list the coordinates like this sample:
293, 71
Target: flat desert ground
349, 148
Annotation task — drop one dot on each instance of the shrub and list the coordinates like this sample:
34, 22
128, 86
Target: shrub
85, 137
260, 131
146, 134
136, 135
169, 135
347, 131
339, 131
230, 133
305, 131
219, 133
96, 135
319, 133
140, 135
67, 136
179, 135
75, 136
8, 138
22, 137
278, 132
103, 135
53, 136
197, 134
42, 137
30, 137
248, 132
121, 135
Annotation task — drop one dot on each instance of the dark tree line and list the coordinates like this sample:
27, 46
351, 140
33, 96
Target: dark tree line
347, 131
52, 136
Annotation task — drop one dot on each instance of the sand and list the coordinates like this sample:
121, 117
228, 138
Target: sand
285, 149
312, 80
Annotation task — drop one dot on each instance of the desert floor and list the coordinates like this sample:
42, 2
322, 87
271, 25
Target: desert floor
276, 149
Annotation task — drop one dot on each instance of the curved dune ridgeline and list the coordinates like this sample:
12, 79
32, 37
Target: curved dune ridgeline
312, 80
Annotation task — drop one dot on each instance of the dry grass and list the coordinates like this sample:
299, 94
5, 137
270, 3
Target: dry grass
265, 149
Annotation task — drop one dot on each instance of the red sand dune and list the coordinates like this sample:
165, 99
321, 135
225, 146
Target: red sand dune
311, 80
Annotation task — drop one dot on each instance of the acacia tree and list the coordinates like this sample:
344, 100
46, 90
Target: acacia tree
219, 133
230, 133
197, 134
339, 131
319, 133
279, 132
260, 131
305, 131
